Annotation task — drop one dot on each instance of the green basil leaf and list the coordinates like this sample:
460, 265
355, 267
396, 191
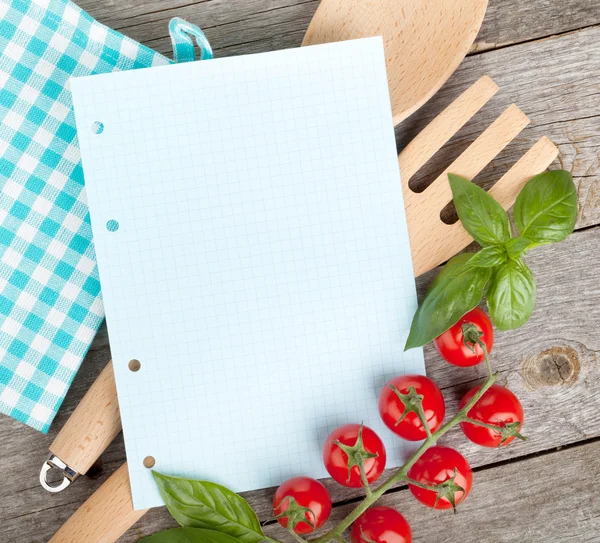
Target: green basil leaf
488, 257
511, 295
546, 208
517, 247
189, 535
480, 215
200, 504
456, 290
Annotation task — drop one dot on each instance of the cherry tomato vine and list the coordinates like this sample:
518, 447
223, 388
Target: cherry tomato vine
402, 474
412, 406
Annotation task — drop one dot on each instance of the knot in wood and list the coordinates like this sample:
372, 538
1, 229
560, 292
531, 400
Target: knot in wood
556, 366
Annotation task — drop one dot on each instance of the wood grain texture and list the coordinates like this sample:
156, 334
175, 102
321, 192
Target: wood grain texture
432, 241
108, 511
424, 41
100, 406
237, 27
513, 21
552, 363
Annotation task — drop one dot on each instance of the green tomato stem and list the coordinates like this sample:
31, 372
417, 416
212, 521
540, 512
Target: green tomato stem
297, 537
487, 358
408, 480
423, 418
363, 475
471, 337
487, 425
401, 473
505, 430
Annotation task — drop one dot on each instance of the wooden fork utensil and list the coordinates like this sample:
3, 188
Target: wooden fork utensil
432, 241
109, 512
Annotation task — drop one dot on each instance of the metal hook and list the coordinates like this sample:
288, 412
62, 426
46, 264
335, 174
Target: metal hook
54, 462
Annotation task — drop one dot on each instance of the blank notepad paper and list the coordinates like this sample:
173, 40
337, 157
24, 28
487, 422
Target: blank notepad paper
253, 255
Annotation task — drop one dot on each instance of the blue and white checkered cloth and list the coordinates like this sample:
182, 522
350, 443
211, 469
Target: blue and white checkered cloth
50, 301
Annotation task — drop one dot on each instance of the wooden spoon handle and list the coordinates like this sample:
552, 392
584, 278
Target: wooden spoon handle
92, 426
105, 516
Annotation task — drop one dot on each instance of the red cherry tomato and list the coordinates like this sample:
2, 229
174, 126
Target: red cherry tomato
451, 344
445, 468
381, 525
302, 498
343, 467
398, 406
498, 406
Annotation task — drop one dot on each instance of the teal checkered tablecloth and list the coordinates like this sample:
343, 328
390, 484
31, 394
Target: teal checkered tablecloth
50, 300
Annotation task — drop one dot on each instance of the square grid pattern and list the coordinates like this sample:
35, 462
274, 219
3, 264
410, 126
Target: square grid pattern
261, 270
50, 301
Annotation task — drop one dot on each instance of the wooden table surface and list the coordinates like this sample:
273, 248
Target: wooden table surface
545, 55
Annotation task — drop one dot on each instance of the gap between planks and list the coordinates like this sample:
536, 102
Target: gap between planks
480, 48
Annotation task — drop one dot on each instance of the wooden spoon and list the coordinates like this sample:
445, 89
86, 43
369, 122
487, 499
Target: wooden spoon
425, 40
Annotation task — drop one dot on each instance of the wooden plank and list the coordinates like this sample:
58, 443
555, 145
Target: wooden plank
242, 26
514, 21
232, 26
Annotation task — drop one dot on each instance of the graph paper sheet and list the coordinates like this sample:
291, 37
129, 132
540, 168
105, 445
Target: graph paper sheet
253, 255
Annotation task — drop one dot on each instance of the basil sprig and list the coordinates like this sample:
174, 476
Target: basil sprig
208, 512
545, 212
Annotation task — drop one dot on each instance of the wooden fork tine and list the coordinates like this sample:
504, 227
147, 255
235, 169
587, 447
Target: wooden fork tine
432, 138
534, 161
430, 202
450, 239
480, 153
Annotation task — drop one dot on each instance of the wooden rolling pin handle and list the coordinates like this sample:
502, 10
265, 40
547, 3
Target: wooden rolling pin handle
105, 516
90, 429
